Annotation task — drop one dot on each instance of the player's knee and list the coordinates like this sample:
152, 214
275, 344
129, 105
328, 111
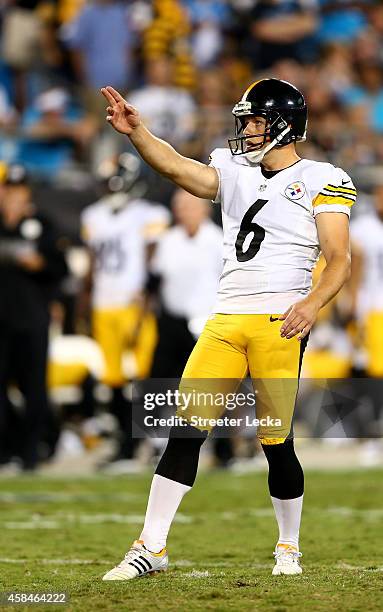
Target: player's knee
286, 480
180, 459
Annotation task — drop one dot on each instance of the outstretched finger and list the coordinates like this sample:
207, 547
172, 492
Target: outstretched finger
115, 94
108, 95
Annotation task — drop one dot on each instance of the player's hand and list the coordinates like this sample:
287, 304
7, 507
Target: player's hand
299, 318
121, 115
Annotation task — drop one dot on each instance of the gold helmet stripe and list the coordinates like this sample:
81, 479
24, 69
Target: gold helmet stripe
250, 88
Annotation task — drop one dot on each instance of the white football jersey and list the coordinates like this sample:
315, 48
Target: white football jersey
118, 239
367, 233
270, 237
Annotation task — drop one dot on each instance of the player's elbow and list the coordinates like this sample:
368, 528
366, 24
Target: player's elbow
343, 264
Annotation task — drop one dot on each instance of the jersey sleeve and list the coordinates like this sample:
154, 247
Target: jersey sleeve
336, 194
221, 160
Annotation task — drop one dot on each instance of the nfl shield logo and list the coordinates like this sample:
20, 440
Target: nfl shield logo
295, 191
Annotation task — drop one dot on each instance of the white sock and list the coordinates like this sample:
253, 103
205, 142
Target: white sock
288, 513
164, 498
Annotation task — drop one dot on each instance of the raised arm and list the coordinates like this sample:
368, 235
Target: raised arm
193, 176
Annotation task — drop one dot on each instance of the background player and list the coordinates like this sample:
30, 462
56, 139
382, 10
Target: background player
118, 229
367, 297
278, 212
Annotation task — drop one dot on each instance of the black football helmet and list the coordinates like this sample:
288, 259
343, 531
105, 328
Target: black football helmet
281, 104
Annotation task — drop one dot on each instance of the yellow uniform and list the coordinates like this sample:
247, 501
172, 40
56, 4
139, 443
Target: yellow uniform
270, 248
118, 236
367, 233
233, 346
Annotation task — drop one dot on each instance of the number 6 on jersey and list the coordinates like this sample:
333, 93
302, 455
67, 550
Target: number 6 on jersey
248, 226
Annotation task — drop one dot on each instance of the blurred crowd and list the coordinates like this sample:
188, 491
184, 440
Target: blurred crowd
184, 63
114, 296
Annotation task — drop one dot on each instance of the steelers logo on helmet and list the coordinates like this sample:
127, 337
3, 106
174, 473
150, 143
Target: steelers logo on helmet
284, 109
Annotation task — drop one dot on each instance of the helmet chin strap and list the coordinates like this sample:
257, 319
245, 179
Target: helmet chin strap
255, 157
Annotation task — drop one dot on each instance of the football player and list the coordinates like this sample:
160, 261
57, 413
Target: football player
367, 298
279, 211
117, 230
367, 242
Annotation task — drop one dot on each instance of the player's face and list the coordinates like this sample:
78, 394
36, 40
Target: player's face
257, 126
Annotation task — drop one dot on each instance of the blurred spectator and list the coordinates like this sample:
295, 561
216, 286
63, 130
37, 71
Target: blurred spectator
375, 15
342, 20
365, 99
8, 115
209, 20
55, 131
54, 68
214, 120
367, 47
236, 72
290, 70
141, 14
67, 10
102, 41
20, 42
335, 69
31, 265
168, 33
168, 111
283, 29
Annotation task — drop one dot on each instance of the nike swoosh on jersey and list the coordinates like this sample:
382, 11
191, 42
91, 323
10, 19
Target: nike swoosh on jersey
272, 319
345, 182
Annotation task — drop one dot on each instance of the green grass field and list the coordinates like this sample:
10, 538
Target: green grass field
62, 535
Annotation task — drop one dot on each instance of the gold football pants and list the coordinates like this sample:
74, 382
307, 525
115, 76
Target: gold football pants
232, 346
373, 341
121, 329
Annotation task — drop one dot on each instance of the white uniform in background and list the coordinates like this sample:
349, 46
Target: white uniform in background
117, 237
367, 233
